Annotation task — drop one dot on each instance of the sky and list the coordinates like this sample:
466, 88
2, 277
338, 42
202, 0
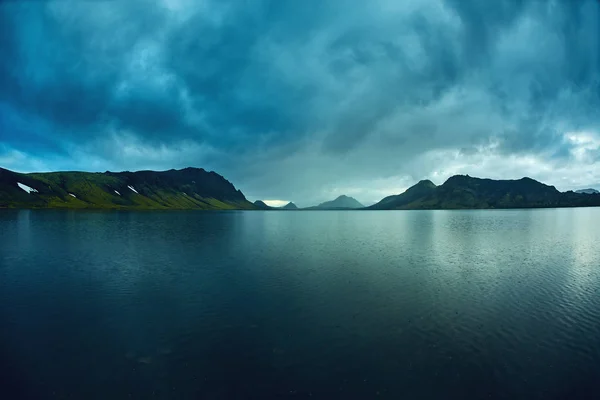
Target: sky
305, 100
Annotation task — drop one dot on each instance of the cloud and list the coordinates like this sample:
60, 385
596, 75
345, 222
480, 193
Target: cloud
304, 100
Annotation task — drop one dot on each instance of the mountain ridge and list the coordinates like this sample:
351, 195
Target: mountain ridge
466, 192
188, 188
196, 188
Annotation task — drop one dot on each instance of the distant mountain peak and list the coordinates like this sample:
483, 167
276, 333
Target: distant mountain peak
290, 206
341, 202
262, 205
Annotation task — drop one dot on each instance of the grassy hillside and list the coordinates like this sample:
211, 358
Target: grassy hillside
190, 188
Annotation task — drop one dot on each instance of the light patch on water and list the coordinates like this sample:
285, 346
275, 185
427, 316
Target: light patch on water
26, 188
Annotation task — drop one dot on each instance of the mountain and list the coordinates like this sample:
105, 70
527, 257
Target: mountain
261, 205
289, 206
196, 188
465, 192
189, 188
343, 202
418, 191
587, 191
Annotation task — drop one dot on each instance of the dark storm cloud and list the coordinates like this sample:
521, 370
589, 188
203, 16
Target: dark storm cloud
63, 68
317, 91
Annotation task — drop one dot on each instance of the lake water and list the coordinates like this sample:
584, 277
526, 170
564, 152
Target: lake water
261, 305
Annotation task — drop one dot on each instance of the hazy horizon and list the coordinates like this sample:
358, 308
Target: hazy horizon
305, 101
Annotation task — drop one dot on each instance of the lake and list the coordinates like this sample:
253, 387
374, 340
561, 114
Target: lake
500, 304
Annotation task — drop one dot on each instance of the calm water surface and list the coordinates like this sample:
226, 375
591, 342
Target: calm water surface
261, 305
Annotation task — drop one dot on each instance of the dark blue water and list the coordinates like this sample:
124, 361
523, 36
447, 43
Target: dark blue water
261, 305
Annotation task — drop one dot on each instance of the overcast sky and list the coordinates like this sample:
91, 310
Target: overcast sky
305, 100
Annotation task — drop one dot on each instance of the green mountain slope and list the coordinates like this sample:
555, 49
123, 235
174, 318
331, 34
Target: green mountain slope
343, 202
465, 192
190, 188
